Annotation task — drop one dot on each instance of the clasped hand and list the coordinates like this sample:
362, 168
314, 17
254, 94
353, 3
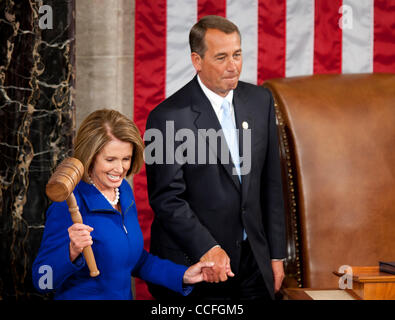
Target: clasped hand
221, 269
214, 266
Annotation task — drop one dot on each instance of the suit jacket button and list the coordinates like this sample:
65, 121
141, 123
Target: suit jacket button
238, 243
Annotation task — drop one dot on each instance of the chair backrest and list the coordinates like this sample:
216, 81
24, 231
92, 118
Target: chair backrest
337, 137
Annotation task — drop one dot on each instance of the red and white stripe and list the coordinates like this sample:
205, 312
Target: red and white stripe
280, 38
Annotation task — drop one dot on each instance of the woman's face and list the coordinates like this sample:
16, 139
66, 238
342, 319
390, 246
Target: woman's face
111, 165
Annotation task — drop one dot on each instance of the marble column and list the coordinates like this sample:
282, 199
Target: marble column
104, 56
37, 125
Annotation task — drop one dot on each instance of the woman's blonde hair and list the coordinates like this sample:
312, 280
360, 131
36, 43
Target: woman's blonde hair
98, 129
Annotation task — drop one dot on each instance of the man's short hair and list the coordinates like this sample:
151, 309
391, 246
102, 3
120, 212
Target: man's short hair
197, 34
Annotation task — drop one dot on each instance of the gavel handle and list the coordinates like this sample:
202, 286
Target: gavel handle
87, 251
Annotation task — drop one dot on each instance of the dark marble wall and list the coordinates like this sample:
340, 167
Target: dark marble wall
37, 117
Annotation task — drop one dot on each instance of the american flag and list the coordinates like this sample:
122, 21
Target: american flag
280, 38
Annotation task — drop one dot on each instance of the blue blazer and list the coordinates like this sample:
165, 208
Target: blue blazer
117, 246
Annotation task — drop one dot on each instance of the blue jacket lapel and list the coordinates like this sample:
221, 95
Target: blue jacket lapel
95, 201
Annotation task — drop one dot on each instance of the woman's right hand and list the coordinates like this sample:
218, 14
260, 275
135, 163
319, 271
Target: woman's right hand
80, 237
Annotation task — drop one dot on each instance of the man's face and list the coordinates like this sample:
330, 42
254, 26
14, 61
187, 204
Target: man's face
220, 67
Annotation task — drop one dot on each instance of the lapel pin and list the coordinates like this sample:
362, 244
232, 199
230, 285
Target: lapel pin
245, 125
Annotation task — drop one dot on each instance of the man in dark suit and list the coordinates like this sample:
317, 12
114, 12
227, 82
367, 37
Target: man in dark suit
229, 212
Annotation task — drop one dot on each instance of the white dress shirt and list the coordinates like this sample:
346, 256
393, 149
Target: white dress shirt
216, 101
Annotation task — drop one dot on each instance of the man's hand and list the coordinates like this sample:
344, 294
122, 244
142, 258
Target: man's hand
221, 269
278, 274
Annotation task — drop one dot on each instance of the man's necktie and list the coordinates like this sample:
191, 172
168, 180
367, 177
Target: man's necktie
229, 130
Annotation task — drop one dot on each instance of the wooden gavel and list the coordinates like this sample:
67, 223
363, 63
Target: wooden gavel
60, 188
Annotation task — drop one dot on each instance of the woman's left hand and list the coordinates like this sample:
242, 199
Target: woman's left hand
194, 273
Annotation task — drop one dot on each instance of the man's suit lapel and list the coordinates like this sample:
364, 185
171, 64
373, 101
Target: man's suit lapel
207, 119
243, 115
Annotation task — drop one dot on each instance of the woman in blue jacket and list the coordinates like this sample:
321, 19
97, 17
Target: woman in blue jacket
110, 147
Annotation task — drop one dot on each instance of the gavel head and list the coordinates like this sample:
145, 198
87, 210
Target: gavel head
64, 179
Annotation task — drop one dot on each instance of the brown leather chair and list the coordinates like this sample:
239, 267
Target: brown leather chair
337, 139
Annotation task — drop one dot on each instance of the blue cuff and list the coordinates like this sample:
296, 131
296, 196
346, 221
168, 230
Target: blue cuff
176, 279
